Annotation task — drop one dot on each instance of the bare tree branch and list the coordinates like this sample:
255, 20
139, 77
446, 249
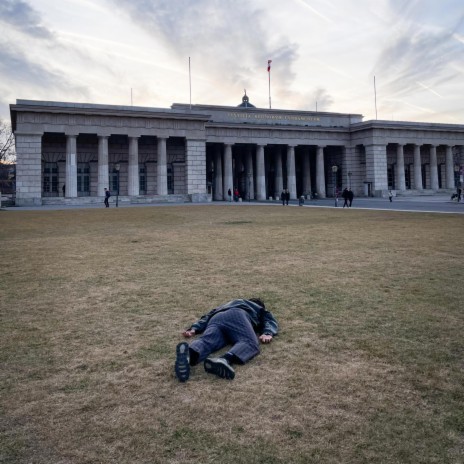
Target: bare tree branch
7, 146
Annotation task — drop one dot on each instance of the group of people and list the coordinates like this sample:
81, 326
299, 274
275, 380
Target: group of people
240, 323
236, 194
347, 196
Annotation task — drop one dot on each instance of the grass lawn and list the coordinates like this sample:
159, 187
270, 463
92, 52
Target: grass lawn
368, 367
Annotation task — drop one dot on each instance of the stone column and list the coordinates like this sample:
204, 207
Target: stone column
161, 166
306, 173
449, 168
249, 175
195, 160
401, 181
28, 169
433, 168
71, 166
291, 176
320, 174
279, 181
218, 194
376, 168
103, 178
417, 168
260, 174
133, 188
238, 170
228, 174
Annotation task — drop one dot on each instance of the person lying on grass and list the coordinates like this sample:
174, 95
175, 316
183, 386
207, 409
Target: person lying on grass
240, 323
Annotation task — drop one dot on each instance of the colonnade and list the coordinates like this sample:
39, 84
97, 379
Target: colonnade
256, 163
255, 173
133, 187
417, 167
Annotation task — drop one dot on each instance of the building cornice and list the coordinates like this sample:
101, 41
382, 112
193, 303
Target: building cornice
406, 125
88, 109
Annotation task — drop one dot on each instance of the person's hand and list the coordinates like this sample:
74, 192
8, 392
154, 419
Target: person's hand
188, 333
265, 338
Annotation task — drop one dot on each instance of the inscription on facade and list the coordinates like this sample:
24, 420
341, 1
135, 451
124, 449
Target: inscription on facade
274, 117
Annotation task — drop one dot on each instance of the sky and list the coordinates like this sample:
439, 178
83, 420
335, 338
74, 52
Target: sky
326, 54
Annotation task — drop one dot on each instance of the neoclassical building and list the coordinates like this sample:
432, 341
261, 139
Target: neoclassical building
70, 152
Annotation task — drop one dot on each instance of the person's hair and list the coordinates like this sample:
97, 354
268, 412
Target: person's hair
258, 302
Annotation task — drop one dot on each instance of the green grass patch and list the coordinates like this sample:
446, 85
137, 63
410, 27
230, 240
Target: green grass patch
368, 366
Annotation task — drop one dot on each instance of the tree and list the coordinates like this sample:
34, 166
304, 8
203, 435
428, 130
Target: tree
7, 159
7, 146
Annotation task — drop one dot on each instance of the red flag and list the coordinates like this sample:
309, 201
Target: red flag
269, 65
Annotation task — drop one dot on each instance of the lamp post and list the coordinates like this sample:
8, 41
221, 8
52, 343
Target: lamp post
334, 172
117, 166
349, 179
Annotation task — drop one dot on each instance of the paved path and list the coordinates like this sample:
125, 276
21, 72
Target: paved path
432, 204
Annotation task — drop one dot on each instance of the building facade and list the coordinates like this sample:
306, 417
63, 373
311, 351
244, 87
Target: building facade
69, 153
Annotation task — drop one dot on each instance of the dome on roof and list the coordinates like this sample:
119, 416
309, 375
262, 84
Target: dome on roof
246, 102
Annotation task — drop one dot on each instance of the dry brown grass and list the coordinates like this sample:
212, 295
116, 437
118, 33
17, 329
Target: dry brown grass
368, 366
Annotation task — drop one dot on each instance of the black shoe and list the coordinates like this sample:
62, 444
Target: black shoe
219, 367
182, 366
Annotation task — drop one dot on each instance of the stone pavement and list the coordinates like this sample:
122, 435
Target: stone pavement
429, 204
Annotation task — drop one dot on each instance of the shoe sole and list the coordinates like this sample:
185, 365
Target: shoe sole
182, 366
218, 368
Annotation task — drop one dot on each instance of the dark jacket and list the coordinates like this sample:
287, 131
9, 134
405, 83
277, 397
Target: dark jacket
261, 319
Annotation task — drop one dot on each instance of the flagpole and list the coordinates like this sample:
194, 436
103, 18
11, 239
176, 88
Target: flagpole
269, 72
375, 97
190, 84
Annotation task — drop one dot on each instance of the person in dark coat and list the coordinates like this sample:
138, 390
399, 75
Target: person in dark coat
282, 197
107, 196
350, 196
287, 196
240, 323
345, 197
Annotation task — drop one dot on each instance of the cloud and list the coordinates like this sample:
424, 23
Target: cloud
229, 41
19, 14
24, 78
315, 11
18, 68
418, 57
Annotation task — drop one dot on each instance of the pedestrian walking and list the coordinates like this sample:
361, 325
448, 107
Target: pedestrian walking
107, 196
287, 196
345, 197
350, 197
